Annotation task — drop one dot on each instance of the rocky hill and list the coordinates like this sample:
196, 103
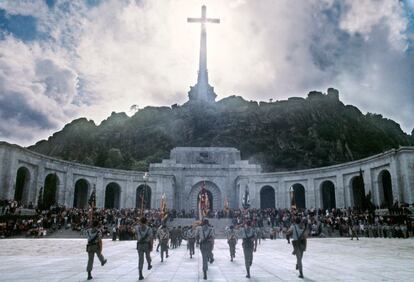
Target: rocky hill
293, 134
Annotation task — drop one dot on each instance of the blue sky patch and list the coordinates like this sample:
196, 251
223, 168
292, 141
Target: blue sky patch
21, 27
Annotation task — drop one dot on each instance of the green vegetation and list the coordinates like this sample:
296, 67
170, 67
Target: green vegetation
294, 134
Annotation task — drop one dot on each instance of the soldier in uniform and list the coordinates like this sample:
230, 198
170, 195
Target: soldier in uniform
93, 247
298, 230
191, 238
144, 245
205, 236
232, 241
173, 236
248, 234
179, 236
163, 236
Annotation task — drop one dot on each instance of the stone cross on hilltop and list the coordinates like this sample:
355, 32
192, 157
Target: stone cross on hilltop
202, 91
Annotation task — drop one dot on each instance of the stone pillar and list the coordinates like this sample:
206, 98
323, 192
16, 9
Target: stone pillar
68, 193
396, 191
340, 191
128, 192
100, 191
311, 195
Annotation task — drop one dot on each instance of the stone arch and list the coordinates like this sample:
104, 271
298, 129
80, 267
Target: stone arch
267, 197
299, 195
385, 188
80, 197
328, 195
21, 192
215, 194
358, 191
50, 190
113, 196
143, 195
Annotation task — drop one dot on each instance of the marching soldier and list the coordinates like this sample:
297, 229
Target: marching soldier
191, 238
93, 247
248, 234
232, 241
163, 236
205, 236
144, 245
298, 231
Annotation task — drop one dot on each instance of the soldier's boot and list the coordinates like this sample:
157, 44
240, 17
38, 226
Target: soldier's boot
248, 272
300, 274
149, 266
205, 275
231, 258
141, 277
297, 267
103, 263
89, 275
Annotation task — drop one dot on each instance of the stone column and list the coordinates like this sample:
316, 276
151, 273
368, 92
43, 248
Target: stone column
340, 191
311, 195
68, 193
100, 191
396, 192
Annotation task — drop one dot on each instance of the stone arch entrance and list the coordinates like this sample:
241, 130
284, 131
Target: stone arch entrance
143, 196
212, 190
50, 190
358, 191
112, 196
385, 191
267, 197
299, 195
22, 185
80, 198
328, 195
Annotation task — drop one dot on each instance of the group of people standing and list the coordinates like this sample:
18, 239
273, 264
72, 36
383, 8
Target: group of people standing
203, 235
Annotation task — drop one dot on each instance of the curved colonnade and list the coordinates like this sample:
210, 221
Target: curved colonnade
28, 176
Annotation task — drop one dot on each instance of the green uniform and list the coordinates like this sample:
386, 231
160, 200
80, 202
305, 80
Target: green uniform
144, 246
248, 235
163, 236
205, 235
94, 247
232, 241
191, 237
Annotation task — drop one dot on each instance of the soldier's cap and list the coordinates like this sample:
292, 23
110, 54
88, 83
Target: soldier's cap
205, 221
231, 226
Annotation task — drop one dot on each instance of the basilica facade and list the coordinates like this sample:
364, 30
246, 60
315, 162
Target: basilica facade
26, 176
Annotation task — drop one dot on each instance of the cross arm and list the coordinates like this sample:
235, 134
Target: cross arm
213, 20
194, 20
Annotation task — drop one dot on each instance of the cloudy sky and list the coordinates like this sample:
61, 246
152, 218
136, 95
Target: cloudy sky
65, 59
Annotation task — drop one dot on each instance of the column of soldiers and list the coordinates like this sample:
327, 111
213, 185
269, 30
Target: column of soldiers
204, 236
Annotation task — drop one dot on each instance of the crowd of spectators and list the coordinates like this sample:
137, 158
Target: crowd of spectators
272, 223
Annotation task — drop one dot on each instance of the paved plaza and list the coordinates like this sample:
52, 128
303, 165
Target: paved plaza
325, 260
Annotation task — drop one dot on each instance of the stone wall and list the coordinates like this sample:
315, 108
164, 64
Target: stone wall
222, 169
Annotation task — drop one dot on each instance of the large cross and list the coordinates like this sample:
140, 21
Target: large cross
202, 70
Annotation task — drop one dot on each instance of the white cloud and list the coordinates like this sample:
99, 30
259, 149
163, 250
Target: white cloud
144, 52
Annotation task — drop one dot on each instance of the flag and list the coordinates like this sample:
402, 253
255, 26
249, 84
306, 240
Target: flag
226, 204
163, 207
246, 198
203, 202
92, 198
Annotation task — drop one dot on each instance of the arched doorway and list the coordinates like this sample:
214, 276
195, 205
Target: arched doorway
299, 196
385, 184
50, 190
80, 199
213, 192
143, 196
358, 191
328, 195
267, 197
112, 196
22, 185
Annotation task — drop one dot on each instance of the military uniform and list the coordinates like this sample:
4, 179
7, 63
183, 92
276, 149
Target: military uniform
232, 241
163, 236
299, 235
248, 235
93, 247
144, 246
191, 237
205, 235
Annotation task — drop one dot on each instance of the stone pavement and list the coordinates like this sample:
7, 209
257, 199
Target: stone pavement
325, 260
